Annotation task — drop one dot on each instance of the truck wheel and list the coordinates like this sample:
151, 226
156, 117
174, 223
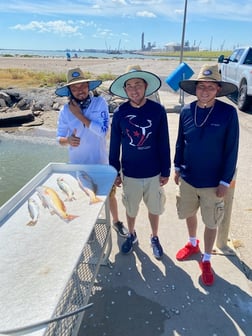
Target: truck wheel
243, 100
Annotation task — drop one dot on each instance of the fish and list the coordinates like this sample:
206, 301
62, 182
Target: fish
88, 185
65, 187
54, 203
33, 208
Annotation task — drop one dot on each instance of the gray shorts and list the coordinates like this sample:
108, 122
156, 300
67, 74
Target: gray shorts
146, 189
190, 199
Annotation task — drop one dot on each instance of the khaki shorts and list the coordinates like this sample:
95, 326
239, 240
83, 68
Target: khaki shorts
190, 199
148, 189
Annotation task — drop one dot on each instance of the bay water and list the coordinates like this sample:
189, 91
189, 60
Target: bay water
22, 157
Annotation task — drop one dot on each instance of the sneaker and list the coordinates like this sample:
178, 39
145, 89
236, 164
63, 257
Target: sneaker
127, 246
187, 251
120, 229
157, 248
207, 275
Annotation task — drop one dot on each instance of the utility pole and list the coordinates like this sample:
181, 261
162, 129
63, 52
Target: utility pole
181, 95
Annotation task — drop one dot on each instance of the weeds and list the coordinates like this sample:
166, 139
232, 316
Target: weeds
27, 78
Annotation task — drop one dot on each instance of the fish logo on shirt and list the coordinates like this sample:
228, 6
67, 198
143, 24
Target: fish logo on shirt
138, 134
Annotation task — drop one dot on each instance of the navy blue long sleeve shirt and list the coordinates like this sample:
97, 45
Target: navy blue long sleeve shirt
207, 155
139, 142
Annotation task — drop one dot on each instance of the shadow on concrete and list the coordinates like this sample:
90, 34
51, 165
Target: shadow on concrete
138, 295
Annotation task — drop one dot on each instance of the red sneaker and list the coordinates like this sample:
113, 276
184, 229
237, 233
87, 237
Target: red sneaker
187, 251
207, 275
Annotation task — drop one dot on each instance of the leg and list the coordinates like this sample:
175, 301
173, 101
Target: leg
209, 239
131, 223
113, 208
127, 246
191, 223
192, 247
117, 224
154, 221
157, 248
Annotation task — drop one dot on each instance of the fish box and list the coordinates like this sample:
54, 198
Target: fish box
48, 267
183, 71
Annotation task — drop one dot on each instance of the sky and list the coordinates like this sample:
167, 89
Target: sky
119, 24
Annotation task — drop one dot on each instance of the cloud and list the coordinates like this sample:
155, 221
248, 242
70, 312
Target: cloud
146, 14
56, 27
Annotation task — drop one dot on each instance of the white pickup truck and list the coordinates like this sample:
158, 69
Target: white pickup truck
237, 69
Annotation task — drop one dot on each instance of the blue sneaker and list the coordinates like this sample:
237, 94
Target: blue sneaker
157, 248
127, 246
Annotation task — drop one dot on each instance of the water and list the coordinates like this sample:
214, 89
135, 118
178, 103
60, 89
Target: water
81, 54
22, 157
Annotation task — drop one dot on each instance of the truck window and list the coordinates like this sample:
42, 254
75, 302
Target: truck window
248, 59
236, 55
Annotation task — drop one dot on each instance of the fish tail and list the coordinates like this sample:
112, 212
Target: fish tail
94, 200
70, 217
31, 223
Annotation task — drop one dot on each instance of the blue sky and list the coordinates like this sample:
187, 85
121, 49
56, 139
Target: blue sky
112, 24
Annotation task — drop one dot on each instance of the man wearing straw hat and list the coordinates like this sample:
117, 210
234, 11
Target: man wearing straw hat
83, 125
140, 151
205, 161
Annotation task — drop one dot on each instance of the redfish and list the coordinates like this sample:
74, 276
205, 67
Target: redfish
52, 201
33, 208
88, 185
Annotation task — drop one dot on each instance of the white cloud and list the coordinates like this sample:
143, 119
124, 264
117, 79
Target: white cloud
57, 27
146, 14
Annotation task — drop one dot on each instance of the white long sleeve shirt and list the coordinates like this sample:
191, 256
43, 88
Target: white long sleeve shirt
92, 148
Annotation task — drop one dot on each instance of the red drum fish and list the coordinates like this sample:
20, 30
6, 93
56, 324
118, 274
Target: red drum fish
65, 187
33, 208
88, 185
52, 201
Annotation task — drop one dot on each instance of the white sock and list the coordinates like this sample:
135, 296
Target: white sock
193, 241
206, 257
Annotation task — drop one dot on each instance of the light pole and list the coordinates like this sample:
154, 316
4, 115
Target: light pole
181, 95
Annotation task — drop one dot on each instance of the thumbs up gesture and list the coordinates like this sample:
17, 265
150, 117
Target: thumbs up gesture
73, 140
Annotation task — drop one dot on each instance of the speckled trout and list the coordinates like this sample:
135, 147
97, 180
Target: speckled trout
52, 201
65, 187
88, 185
33, 208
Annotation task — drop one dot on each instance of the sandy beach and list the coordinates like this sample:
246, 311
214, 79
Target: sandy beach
116, 66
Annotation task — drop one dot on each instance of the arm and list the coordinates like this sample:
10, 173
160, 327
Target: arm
164, 145
230, 154
96, 117
115, 144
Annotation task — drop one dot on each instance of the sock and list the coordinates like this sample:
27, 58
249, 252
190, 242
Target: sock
206, 257
193, 241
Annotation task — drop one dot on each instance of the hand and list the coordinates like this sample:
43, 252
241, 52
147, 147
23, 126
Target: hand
118, 181
221, 190
176, 176
163, 180
73, 140
75, 109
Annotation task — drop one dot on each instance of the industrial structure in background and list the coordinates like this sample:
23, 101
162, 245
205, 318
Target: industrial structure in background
171, 46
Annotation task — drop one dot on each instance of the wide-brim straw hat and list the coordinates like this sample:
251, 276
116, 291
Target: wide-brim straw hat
76, 76
152, 80
208, 73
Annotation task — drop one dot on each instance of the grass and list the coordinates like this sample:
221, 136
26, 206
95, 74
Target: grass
204, 54
27, 78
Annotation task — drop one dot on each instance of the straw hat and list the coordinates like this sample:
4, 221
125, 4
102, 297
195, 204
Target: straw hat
208, 73
75, 76
153, 81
